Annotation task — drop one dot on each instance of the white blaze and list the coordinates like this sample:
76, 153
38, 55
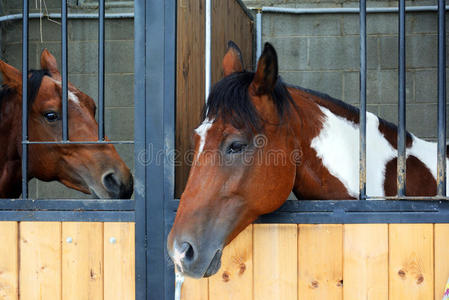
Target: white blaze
202, 132
72, 97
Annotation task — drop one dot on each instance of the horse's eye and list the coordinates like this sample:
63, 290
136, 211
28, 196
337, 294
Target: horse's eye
236, 147
51, 116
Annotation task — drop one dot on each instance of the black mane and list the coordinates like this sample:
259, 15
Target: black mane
34, 83
229, 100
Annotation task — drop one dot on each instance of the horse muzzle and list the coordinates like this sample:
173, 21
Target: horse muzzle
197, 264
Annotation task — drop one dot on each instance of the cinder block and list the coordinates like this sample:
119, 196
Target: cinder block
375, 23
426, 85
119, 89
120, 56
325, 82
421, 51
119, 123
87, 30
292, 52
307, 25
339, 53
382, 86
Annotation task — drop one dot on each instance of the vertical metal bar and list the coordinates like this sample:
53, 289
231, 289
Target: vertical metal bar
362, 170
65, 132
401, 167
140, 99
25, 100
441, 180
160, 75
101, 71
258, 34
208, 45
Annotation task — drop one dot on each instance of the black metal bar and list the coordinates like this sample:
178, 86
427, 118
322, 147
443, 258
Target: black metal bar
141, 259
354, 212
68, 204
401, 166
441, 172
25, 99
101, 70
362, 170
78, 142
160, 78
65, 122
68, 216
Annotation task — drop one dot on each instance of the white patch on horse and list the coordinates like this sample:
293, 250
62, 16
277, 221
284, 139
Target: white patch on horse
202, 132
337, 146
70, 94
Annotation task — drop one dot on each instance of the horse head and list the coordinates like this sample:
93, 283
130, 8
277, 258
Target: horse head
95, 169
244, 163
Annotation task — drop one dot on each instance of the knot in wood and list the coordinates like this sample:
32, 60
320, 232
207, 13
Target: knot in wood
242, 268
226, 276
315, 284
420, 279
401, 273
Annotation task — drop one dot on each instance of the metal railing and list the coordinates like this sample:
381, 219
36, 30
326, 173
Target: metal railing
64, 209
362, 10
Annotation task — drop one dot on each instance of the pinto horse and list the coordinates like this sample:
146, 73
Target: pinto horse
89, 168
260, 139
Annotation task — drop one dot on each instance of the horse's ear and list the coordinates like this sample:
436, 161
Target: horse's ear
267, 72
48, 62
232, 61
11, 76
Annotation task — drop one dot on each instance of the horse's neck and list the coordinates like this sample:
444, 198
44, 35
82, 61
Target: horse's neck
328, 132
313, 179
10, 163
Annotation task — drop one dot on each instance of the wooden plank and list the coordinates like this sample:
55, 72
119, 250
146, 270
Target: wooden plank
226, 17
441, 233
82, 261
320, 258
411, 261
195, 289
119, 271
189, 83
235, 277
365, 261
275, 261
9, 261
40, 260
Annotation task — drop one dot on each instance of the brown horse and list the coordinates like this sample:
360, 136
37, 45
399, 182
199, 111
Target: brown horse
260, 140
92, 169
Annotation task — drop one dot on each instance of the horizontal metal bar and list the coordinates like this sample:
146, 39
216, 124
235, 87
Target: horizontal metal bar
76, 142
68, 204
338, 10
68, 216
69, 16
354, 212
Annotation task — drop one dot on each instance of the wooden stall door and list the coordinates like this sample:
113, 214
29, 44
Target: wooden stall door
229, 22
315, 262
66, 261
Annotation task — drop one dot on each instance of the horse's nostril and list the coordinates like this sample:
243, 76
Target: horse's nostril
111, 183
188, 251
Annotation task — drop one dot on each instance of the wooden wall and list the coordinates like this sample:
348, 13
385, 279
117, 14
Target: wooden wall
37, 261
229, 23
357, 262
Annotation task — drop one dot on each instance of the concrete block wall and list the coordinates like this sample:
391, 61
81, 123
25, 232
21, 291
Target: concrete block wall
83, 64
321, 52
315, 51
